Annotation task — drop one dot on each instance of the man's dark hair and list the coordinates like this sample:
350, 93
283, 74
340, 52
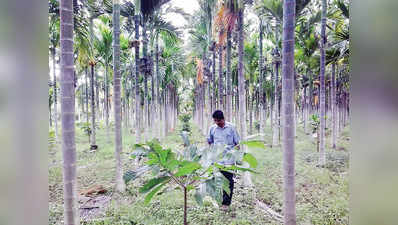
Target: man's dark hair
218, 114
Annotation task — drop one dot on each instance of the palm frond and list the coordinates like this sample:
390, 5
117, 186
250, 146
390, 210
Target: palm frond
343, 8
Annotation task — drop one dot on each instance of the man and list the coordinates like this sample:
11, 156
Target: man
224, 133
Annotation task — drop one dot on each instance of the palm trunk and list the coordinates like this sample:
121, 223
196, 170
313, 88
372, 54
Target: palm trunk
55, 98
137, 90
220, 79
159, 113
241, 83
261, 78
50, 113
322, 156
106, 104
120, 185
214, 105
333, 105
153, 100
305, 109
71, 216
97, 91
228, 77
92, 137
272, 102
86, 102
251, 99
146, 99
289, 200
185, 206
166, 111
275, 133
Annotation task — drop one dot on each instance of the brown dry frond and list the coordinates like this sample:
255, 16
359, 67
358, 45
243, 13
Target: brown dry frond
199, 71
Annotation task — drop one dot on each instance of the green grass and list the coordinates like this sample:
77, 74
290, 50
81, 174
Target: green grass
322, 193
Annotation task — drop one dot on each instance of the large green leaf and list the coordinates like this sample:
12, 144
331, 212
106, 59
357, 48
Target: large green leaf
249, 158
153, 158
155, 146
152, 183
223, 182
163, 156
254, 144
233, 168
150, 195
131, 175
171, 164
188, 168
213, 190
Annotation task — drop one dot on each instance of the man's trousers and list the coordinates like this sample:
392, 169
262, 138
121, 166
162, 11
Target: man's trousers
227, 198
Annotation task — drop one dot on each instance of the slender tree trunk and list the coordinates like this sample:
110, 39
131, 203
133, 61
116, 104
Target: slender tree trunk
228, 77
214, 100
146, 98
203, 108
200, 113
157, 84
272, 102
106, 104
120, 185
261, 78
241, 83
333, 105
166, 111
175, 102
338, 115
137, 89
305, 110
251, 114
220, 79
289, 200
97, 91
71, 216
159, 108
322, 156
185, 206
86, 102
153, 101
50, 114
93, 138
275, 133
55, 98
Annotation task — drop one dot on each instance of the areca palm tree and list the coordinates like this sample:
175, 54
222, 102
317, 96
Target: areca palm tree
172, 62
120, 185
252, 76
103, 46
225, 23
147, 9
199, 43
322, 155
241, 83
166, 32
71, 216
273, 11
307, 45
288, 111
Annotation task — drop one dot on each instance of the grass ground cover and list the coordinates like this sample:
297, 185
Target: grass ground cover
322, 193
